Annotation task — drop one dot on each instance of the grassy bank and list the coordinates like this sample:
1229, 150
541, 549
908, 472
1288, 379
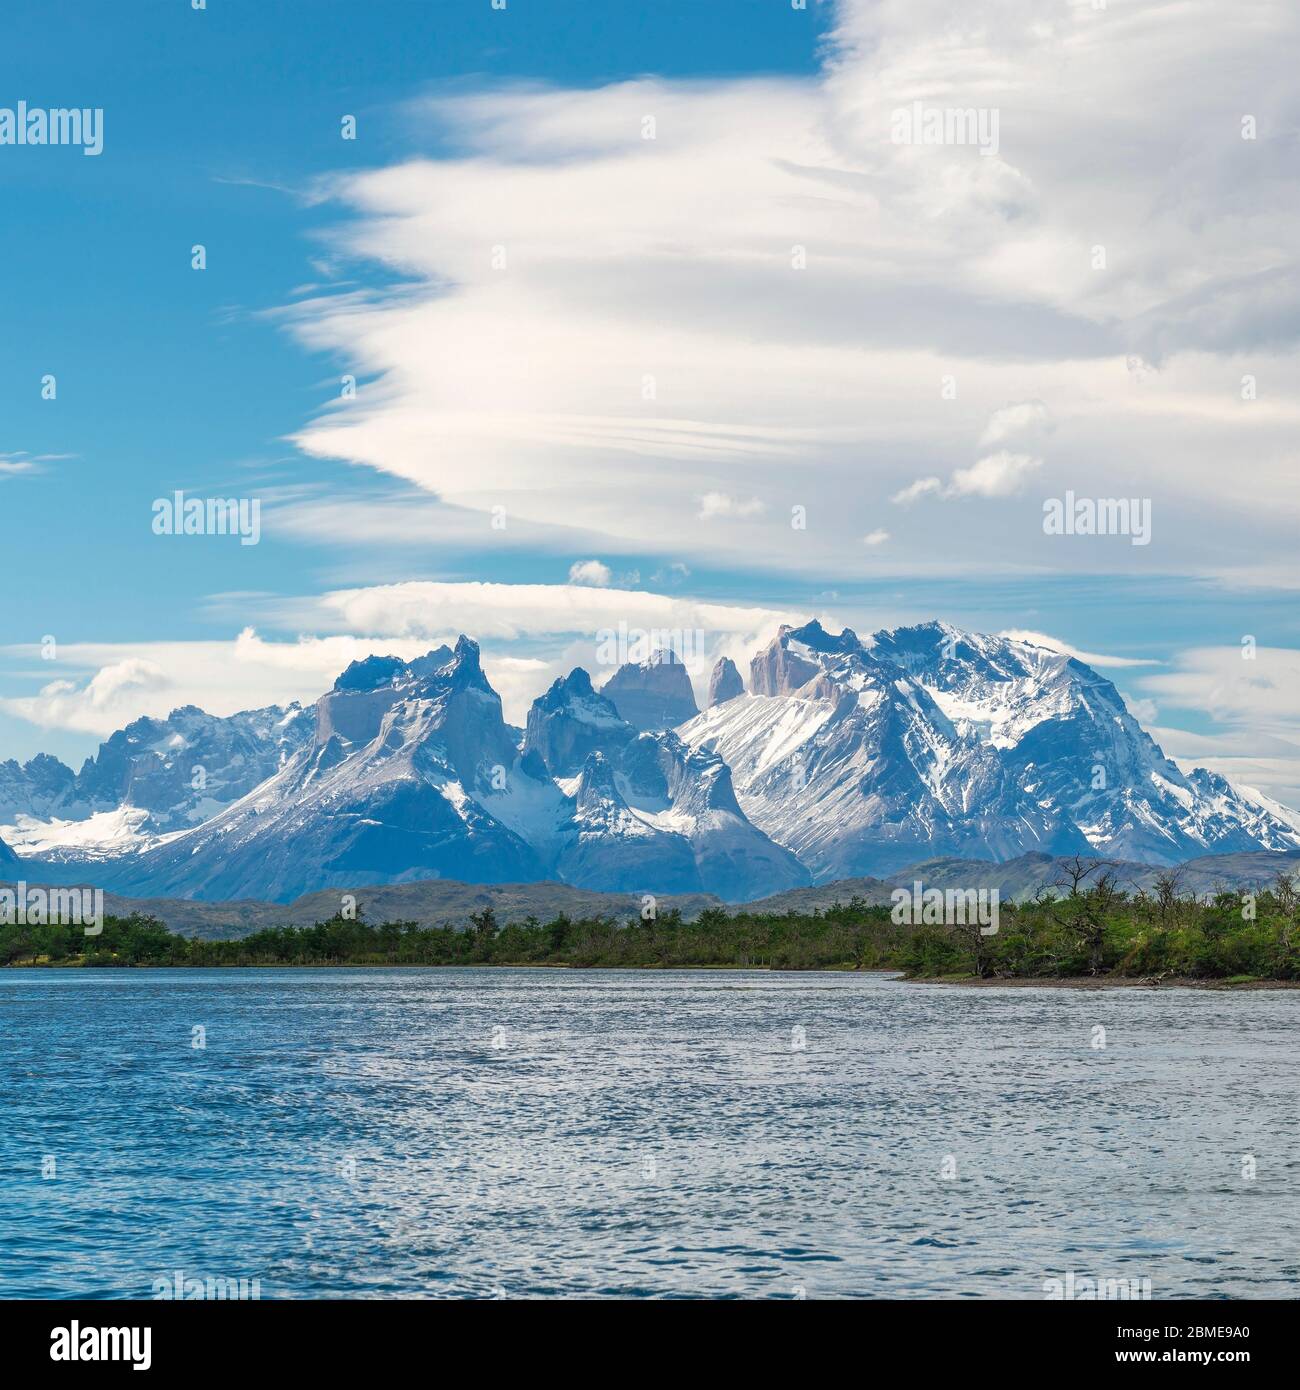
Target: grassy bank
1091, 931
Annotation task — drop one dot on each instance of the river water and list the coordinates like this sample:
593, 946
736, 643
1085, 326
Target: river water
543, 1133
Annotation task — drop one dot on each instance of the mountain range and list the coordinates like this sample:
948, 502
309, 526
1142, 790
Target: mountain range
844, 758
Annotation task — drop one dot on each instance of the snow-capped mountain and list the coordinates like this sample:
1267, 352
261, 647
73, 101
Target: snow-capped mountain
647, 810
43, 787
154, 776
863, 755
846, 757
393, 786
411, 773
570, 722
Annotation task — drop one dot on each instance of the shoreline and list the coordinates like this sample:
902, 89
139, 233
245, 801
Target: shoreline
1079, 982
1095, 982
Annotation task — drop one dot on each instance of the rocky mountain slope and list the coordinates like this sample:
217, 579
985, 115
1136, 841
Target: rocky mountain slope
647, 809
847, 758
411, 773
863, 755
175, 772
654, 694
725, 683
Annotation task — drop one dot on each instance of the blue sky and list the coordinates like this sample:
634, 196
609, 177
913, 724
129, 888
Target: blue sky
651, 384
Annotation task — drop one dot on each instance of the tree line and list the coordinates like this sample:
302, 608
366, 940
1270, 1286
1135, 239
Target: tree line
1087, 925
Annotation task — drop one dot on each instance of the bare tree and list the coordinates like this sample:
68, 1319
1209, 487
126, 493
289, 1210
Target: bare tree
1284, 891
1086, 906
1072, 873
1169, 892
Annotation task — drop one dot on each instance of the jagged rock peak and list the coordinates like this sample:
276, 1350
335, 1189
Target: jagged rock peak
371, 673
378, 672
465, 669
565, 689
654, 694
571, 721
725, 683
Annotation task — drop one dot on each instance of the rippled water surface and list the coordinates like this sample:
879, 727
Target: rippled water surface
538, 1133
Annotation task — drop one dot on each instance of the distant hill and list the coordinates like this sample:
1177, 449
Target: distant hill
1024, 876
874, 891
433, 902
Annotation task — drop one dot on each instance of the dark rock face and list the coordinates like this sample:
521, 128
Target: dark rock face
778, 671
403, 780
8, 859
725, 683
665, 819
371, 673
654, 694
570, 722
42, 787
615, 850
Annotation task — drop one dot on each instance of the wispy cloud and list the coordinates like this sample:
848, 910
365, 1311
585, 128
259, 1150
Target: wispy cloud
1097, 659
770, 302
530, 634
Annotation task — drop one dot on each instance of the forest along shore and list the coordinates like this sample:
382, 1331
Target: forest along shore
1091, 934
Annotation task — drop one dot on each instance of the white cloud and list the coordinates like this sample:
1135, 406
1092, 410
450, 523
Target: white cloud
671, 574
590, 572
643, 340
1097, 659
1257, 693
720, 504
509, 612
110, 684
913, 492
1254, 703
876, 537
1017, 419
1145, 711
111, 697
529, 633
996, 475
666, 262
